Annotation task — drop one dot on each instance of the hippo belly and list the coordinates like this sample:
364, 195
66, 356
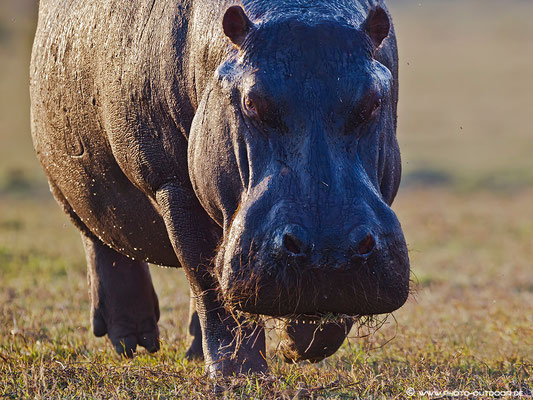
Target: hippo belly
97, 193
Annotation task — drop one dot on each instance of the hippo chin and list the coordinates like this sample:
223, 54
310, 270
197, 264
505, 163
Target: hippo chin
253, 145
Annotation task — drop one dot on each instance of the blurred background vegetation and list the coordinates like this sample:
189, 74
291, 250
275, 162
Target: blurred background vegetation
465, 104
466, 99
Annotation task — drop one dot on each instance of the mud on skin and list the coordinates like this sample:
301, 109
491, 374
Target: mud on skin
254, 145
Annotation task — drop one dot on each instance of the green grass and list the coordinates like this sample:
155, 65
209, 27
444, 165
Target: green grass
465, 208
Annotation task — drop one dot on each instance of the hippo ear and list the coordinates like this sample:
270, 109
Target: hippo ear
377, 25
236, 25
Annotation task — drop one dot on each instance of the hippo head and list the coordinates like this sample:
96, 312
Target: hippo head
293, 152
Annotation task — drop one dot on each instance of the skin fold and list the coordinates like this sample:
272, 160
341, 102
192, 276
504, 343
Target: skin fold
254, 145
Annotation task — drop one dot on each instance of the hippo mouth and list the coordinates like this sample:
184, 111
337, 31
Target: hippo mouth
319, 296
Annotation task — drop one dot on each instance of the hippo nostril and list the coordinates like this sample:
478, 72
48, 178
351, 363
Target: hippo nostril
366, 245
292, 243
292, 240
362, 241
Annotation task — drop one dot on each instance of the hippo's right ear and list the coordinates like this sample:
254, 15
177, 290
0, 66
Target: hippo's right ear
377, 26
236, 25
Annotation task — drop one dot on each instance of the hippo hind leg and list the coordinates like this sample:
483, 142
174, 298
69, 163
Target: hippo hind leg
195, 351
124, 302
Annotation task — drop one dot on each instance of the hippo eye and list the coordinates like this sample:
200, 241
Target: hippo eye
375, 107
249, 106
366, 111
370, 110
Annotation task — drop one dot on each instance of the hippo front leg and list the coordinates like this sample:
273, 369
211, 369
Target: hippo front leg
123, 300
230, 345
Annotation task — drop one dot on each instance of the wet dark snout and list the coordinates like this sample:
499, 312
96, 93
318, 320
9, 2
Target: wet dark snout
355, 266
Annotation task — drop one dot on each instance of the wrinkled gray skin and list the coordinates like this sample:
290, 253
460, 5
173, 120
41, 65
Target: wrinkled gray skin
256, 149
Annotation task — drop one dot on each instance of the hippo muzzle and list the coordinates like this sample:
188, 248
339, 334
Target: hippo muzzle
285, 256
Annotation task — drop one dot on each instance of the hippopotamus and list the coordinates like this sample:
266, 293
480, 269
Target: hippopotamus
251, 144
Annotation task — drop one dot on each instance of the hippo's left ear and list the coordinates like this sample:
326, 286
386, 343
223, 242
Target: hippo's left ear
377, 25
236, 25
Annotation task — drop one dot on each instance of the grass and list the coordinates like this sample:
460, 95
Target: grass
468, 327
465, 208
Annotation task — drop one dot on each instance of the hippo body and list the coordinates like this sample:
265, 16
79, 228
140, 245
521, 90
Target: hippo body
252, 145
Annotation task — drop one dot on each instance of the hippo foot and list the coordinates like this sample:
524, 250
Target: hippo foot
124, 302
126, 335
195, 351
311, 338
127, 345
99, 325
233, 346
246, 361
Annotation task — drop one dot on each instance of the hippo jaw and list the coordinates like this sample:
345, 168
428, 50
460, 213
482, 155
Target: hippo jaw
320, 293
